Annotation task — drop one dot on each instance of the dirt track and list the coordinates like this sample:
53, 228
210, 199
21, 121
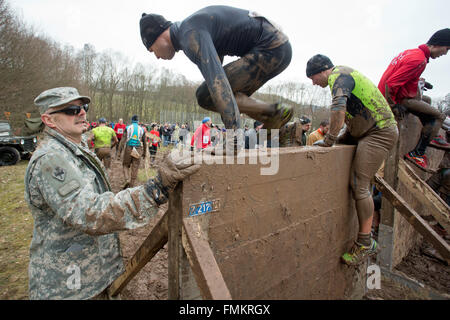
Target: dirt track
151, 282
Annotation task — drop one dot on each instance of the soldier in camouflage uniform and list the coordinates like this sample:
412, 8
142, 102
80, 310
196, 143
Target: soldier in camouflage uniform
293, 134
370, 125
75, 252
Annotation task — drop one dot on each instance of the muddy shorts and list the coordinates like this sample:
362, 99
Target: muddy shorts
105, 155
371, 151
253, 70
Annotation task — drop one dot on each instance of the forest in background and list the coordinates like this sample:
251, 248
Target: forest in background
31, 63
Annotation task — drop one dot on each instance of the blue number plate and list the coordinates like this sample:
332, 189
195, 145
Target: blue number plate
203, 207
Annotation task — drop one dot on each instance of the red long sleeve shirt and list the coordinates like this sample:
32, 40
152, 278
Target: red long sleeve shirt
154, 142
403, 73
120, 129
201, 137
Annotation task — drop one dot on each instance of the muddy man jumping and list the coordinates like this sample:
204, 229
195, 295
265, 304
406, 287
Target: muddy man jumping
206, 37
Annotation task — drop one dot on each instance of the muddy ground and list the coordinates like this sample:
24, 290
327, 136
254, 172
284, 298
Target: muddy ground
151, 283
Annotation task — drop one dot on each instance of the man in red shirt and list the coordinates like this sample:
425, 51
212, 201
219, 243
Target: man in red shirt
202, 136
399, 85
155, 139
119, 128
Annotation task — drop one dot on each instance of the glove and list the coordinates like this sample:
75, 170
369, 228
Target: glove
428, 86
176, 167
399, 111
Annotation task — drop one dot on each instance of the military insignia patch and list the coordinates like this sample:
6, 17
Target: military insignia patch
59, 174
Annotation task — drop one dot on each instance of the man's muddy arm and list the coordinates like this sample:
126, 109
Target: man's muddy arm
337, 119
202, 52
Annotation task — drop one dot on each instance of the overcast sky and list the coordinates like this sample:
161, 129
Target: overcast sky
364, 35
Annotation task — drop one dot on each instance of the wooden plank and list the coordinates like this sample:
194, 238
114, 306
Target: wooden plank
203, 263
174, 246
413, 218
425, 194
151, 245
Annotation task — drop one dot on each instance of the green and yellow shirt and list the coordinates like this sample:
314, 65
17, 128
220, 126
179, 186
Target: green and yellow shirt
364, 105
103, 136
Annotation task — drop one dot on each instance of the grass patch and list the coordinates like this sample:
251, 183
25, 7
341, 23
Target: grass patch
142, 176
16, 231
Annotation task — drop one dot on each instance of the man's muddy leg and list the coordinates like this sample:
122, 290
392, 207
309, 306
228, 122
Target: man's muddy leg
254, 108
431, 118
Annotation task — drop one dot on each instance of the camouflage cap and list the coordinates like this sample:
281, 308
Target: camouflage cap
57, 97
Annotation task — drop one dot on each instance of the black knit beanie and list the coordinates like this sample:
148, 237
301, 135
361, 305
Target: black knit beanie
152, 25
317, 64
305, 120
256, 124
440, 38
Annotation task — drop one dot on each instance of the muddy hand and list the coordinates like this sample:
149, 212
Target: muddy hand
176, 167
319, 143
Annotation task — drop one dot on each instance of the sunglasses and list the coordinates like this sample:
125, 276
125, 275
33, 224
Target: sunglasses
72, 110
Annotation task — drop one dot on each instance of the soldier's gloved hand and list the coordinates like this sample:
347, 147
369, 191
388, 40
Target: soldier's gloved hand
399, 111
176, 167
428, 86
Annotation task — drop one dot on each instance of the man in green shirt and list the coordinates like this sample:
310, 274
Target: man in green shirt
104, 139
370, 125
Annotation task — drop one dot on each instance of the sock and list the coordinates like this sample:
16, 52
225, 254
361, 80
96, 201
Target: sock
364, 239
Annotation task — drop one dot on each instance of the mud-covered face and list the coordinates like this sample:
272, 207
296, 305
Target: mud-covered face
437, 51
162, 48
320, 79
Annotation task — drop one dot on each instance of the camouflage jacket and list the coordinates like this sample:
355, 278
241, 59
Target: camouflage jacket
292, 135
75, 253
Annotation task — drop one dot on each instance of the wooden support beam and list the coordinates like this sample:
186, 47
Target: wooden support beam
151, 245
174, 246
413, 218
203, 263
425, 194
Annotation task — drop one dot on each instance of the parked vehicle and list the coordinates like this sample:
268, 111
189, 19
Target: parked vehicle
14, 148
